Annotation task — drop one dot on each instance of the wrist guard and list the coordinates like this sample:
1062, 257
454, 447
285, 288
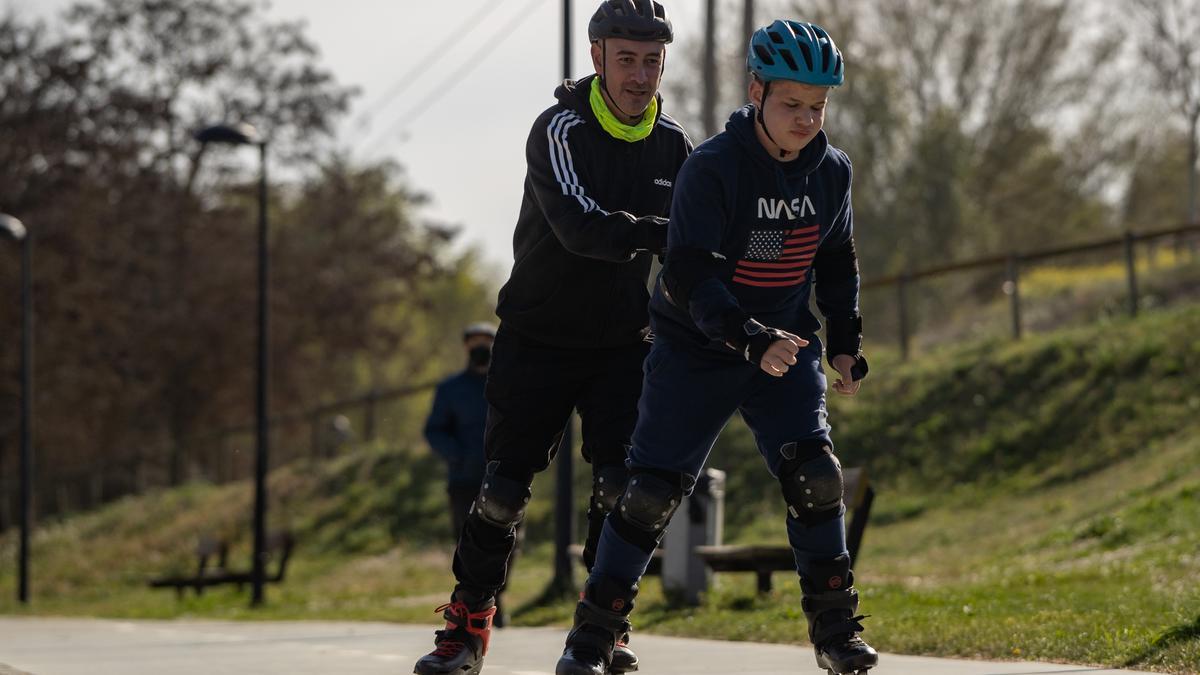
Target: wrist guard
748, 337
860, 369
652, 236
843, 336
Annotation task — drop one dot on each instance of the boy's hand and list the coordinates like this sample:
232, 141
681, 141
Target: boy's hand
846, 384
781, 354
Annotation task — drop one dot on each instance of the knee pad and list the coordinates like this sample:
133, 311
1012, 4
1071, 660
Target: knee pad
502, 500
647, 505
650, 500
608, 484
811, 478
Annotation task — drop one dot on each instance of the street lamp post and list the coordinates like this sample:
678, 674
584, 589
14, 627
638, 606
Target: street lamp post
13, 228
563, 582
244, 134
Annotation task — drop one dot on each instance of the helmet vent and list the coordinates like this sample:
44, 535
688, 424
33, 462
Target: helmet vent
808, 59
764, 55
788, 58
824, 54
775, 37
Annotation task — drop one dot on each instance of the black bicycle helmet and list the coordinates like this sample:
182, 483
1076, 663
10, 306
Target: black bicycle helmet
642, 20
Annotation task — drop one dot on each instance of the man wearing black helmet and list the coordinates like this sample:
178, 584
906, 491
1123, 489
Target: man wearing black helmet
601, 165
761, 221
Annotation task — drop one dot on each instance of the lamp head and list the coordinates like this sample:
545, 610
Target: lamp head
12, 227
230, 134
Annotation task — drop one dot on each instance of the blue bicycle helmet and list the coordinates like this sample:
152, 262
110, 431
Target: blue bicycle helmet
795, 50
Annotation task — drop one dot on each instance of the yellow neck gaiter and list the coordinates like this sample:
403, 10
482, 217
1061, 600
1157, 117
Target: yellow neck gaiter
615, 127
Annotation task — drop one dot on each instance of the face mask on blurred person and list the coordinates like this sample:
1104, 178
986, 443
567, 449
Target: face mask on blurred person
479, 357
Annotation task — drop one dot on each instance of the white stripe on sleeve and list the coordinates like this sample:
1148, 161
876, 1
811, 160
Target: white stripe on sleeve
562, 162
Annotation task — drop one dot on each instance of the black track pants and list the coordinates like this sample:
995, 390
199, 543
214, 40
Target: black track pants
531, 390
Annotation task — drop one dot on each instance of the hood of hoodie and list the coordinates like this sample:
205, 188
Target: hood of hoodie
575, 94
741, 126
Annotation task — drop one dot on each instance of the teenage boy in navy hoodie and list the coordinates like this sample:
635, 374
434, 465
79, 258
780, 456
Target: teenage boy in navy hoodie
760, 219
601, 166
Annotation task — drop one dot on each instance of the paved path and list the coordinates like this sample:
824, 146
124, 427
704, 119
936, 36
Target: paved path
99, 647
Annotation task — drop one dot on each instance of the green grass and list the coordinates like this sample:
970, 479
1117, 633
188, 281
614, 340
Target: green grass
373, 545
1097, 571
1037, 500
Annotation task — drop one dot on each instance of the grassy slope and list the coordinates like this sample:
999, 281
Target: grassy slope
1037, 500
372, 545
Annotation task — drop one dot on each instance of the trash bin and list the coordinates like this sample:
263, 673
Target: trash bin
698, 522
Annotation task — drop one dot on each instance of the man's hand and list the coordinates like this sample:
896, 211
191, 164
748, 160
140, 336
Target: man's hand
846, 384
781, 355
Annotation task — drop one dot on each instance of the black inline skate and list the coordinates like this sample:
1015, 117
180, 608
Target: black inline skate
601, 621
461, 645
829, 604
623, 659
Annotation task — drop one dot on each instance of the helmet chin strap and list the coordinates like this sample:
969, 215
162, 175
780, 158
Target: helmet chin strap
604, 80
763, 122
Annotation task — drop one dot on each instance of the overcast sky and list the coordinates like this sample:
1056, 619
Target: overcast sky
466, 147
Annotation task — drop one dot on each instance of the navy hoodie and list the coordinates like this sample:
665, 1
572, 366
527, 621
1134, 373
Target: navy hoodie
593, 205
770, 223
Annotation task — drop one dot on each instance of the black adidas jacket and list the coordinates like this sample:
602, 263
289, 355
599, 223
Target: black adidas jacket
593, 209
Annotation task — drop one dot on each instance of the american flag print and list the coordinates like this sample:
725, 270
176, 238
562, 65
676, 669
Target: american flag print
777, 258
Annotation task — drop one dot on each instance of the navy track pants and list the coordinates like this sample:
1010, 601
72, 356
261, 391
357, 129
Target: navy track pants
687, 398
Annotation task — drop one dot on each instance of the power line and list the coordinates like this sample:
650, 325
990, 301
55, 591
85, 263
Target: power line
456, 77
413, 74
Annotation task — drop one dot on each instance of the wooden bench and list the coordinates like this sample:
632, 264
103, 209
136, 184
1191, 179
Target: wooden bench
765, 559
278, 548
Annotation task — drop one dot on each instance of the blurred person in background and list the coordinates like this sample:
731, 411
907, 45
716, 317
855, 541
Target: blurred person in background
455, 424
455, 429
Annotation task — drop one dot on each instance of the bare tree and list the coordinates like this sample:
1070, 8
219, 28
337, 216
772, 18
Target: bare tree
145, 290
1170, 46
969, 119
973, 126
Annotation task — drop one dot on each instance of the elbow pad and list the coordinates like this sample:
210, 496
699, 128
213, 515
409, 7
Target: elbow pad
836, 264
685, 268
